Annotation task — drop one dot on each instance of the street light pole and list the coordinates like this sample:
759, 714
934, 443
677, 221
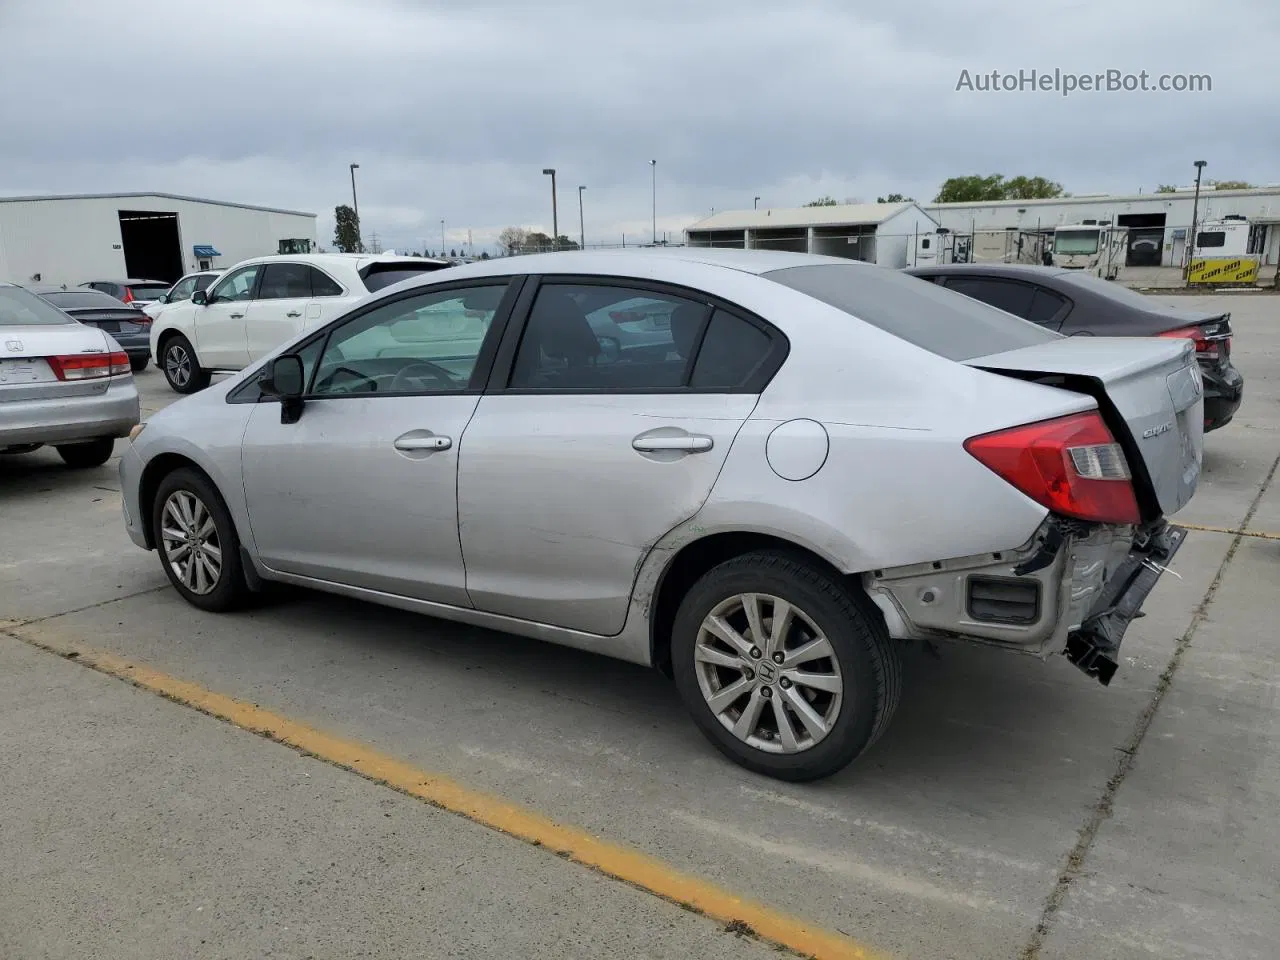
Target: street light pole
555, 220
653, 164
582, 230
1195, 212
355, 207
442, 236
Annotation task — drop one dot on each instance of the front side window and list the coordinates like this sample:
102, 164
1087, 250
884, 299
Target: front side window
182, 290
422, 344
236, 286
285, 281
604, 337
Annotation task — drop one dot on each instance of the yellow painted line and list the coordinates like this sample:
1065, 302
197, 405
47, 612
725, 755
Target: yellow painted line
571, 843
1256, 534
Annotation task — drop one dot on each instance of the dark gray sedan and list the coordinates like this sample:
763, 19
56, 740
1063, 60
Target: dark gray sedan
1078, 304
127, 324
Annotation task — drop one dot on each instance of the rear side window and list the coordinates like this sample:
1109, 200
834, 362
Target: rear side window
19, 308
1008, 295
285, 281
1045, 308
323, 285
933, 318
731, 352
378, 276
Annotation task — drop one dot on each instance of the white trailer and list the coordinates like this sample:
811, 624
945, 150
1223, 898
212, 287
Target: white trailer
1096, 246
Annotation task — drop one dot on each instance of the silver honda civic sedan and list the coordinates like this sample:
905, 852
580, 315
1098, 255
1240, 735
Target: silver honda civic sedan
828, 459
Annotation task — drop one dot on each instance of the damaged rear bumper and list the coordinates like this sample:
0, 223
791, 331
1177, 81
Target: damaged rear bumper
1073, 588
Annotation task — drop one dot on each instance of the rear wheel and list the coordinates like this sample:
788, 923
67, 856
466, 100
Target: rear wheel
784, 667
197, 542
181, 369
138, 364
84, 455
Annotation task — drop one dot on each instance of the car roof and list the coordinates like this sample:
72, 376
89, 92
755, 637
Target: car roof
345, 259
129, 281
1024, 270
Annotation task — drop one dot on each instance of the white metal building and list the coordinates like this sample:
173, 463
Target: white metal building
1159, 223
883, 233
146, 236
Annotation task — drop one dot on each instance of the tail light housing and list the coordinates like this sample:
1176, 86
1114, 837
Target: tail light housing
89, 366
1208, 346
128, 295
1072, 465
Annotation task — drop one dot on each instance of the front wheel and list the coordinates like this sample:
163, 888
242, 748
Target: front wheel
784, 667
197, 542
82, 456
181, 369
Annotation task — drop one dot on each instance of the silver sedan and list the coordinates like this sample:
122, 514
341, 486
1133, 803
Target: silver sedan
61, 382
826, 460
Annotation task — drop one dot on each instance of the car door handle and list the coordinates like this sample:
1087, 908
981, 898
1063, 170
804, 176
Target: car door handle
423, 443
237, 316
294, 313
693, 444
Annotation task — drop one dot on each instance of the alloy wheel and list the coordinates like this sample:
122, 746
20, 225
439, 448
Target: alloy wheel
177, 365
769, 675
190, 541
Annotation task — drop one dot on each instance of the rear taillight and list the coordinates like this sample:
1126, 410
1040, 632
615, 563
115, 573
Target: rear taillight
89, 366
128, 295
1208, 347
1071, 465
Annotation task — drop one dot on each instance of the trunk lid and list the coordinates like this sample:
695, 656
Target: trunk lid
1150, 390
26, 375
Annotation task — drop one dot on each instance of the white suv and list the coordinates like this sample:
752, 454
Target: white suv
259, 304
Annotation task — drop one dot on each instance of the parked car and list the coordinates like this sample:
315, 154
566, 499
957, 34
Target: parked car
261, 303
138, 292
128, 326
1077, 303
182, 290
62, 382
831, 459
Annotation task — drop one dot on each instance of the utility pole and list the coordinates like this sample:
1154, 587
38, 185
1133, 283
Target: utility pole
355, 207
1195, 213
582, 230
653, 164
555, 220
442, 237
755, 204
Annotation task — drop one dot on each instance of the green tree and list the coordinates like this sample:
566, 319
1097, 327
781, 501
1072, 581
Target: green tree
895, 198
1166, 188
484, 254
564, 243
1232, 185
976, 188
826, 201
346, 231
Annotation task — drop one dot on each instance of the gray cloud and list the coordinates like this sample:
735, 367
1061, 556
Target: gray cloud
452, 110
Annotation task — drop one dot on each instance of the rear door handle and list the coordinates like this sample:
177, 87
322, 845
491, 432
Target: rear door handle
294, 313
693, 444
237, 316
423, 443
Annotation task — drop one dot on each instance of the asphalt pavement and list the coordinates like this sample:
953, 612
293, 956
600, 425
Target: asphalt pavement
1014, 809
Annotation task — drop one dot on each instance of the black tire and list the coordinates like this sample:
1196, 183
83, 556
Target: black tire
869, 665
230, 590
138, 364
83, 456
180, 366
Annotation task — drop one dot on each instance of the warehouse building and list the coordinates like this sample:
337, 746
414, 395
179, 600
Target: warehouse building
1158, 223
887, 234
145, 236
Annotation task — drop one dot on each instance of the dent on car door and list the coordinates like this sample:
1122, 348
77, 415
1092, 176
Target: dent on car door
580, 460
362, 489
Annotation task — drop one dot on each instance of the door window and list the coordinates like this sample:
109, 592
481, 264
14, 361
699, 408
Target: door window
1007, 295
322, 285
1045, 308
236, 286
731, 354
182, 290
285, 281
610, 338
424, 344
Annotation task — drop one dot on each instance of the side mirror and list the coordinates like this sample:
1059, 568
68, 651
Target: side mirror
610, 350
200, 298
283, 379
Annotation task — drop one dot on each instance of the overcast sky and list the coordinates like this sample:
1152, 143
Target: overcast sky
452, 110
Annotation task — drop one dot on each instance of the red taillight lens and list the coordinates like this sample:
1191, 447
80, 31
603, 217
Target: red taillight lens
1072, 465
128, 295
89, 366
1204, 346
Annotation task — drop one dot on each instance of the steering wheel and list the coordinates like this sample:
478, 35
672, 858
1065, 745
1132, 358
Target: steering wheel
432, 371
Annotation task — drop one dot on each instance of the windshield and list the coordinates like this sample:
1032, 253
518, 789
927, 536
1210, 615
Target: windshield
1073, 242
84, 300
20, 308
922, 313
148, 291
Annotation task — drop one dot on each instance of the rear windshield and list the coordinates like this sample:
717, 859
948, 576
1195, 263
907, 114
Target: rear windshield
148, 291
84, 300
377, 277
922, 313
19, 308
1107, 288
